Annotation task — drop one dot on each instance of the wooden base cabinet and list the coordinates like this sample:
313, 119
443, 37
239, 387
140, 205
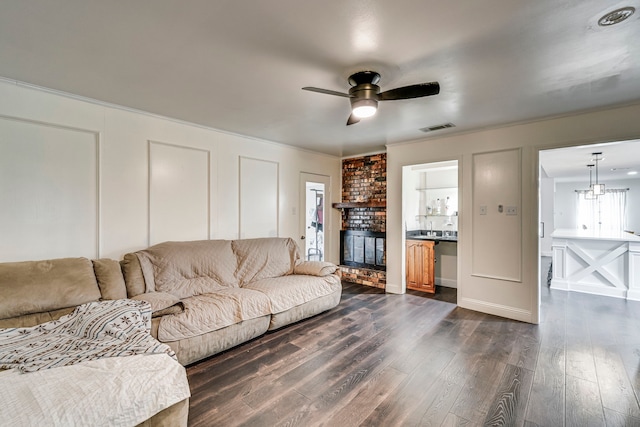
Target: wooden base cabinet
420, 265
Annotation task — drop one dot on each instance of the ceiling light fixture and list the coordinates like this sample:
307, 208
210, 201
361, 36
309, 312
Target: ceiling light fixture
616, 16
597, 188
589, 194
362, 108
632, 173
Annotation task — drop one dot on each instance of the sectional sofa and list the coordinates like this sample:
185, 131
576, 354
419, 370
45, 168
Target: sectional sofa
211, 295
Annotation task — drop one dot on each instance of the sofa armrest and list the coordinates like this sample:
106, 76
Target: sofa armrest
161, 303
315, 268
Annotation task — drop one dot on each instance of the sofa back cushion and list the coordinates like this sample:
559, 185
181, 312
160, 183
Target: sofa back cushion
109, 278
264, 258
37, 286
133, 277
186, 269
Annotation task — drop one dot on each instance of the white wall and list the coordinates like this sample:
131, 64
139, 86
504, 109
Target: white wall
100, 181
514, 297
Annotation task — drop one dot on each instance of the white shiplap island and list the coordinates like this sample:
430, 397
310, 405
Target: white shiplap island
596, 262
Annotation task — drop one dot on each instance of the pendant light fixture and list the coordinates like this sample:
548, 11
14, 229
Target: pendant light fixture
589, 194
597, 188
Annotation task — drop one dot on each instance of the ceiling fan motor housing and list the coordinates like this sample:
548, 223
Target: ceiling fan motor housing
364, 91
364, 77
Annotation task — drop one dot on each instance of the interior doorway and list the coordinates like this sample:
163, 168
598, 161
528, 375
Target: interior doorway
431, 211
565, 178
314, 193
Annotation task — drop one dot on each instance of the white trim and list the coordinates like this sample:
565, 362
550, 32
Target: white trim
475, 204
97, 136
69, 95
496, 309
277, 195
150, 144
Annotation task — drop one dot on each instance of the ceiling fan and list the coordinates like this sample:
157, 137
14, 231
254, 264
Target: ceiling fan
365, 93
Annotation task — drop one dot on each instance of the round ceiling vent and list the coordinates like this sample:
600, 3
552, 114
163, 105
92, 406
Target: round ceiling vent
616, 17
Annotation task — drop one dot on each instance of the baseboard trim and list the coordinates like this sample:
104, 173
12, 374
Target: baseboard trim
496, 309
447, 283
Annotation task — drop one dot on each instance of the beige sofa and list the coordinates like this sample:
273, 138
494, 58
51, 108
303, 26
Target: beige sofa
211, 295
35, 292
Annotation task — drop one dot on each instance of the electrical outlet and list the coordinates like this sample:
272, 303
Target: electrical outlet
483, 210
512, 210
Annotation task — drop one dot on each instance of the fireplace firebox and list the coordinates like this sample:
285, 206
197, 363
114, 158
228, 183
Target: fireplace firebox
363, 249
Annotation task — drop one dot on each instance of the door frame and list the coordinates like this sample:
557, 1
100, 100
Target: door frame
326, 225
403, 211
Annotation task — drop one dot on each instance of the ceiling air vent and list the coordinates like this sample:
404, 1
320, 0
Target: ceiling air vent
616, 17
438, 127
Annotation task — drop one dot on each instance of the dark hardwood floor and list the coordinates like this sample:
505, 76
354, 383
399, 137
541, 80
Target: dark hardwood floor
386, 360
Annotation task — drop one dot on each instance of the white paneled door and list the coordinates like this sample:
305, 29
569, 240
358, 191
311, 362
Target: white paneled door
314, 191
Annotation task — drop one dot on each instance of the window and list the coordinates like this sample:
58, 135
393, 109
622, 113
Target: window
606, 212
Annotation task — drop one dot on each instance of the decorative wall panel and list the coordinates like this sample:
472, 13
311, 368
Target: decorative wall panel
48, 191
259, 194
179, 207
497, 216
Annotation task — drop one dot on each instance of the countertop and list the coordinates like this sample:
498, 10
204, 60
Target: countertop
570, 233
436, 236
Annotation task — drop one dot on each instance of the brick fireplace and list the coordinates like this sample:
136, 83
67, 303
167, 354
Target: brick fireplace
364, 215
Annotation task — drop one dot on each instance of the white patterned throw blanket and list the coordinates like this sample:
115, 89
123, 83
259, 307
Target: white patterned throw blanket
92, 331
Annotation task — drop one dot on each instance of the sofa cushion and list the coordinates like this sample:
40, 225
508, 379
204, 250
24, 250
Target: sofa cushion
185, 269
264, 258
293, 290
209, 312
38, 286
133, 278
109, 278
33, 319
161, 303
315, 268
303, 311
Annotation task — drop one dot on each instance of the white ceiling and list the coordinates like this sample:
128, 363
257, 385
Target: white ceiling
570, 164
239, 66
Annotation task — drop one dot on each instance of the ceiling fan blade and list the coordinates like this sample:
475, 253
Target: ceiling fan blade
326, 91
352, 120
408, 92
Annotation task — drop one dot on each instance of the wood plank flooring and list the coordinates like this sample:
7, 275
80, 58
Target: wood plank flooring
418, 359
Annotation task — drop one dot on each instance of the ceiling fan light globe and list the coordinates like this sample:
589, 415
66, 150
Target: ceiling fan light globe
364, 108
364, 111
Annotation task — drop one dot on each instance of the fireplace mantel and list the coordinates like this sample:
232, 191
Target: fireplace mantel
368, 204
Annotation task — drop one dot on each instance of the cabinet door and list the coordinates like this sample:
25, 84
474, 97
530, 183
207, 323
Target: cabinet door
414, 264
429, 274
420, 268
